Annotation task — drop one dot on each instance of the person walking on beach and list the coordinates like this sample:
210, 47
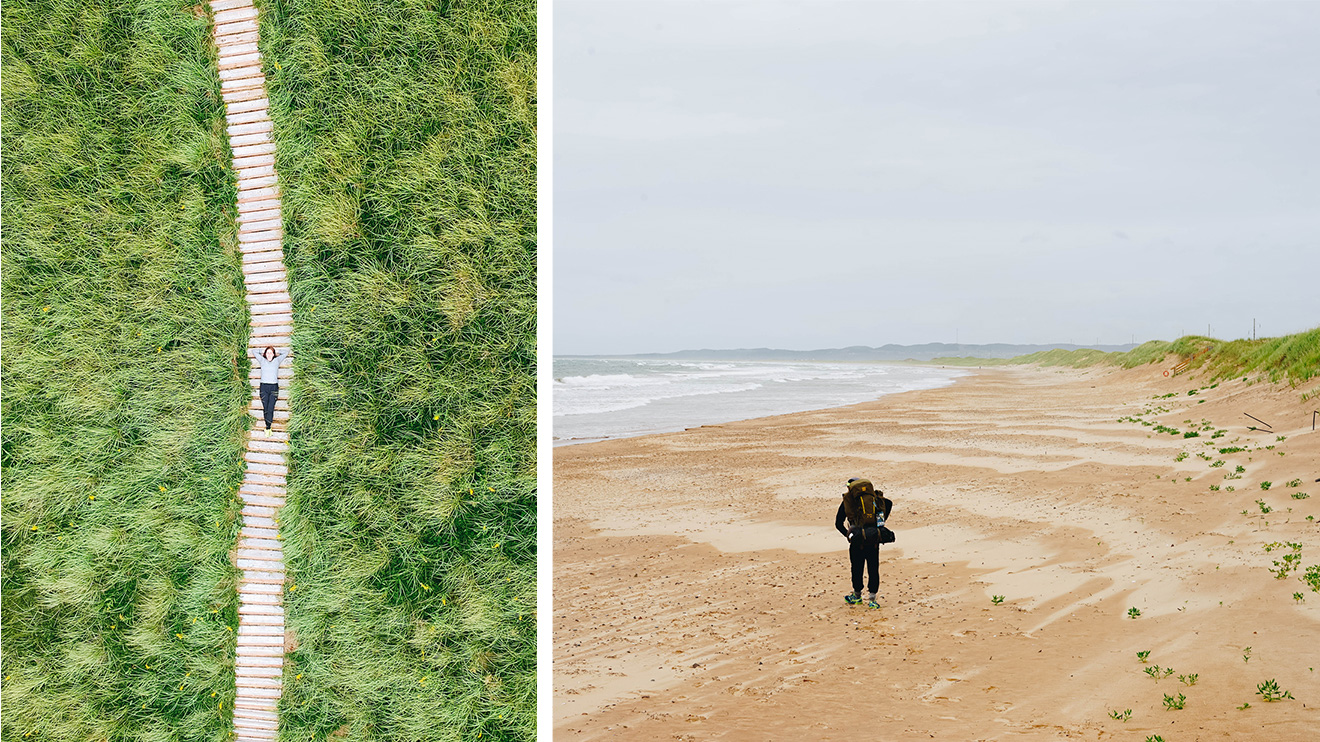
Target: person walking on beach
270, 381
866, 510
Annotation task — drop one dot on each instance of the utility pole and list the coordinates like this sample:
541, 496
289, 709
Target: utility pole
1253, 328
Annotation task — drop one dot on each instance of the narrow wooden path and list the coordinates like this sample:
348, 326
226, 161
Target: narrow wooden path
260, 655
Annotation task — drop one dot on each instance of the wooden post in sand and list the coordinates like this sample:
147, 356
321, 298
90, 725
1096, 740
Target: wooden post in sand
259, 663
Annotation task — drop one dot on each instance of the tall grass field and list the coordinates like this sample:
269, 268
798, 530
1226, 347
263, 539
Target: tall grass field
406, 146
124, 378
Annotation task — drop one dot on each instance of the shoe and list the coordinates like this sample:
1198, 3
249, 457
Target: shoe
853, 598
872, 604
269, 432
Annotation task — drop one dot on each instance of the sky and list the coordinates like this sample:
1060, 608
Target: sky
814, 174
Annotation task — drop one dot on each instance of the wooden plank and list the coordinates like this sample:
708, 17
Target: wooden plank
278, 275
266, 331
231, 49
252, 151
228, 62
258, 182
267, 204
244, 724
235, 39
270, 308
257, 542
237, 14
264, 225
262, 576
262, 251
263, 458
254, 127
258, 715
260, 631
247, 140
262, 444
263, 500
252, 512
260, 641
255, 288
263, 598
259, 194
264, 619
278, 470
242, 83
232, 28
270, 223
250, 70
258, 161
219, 5
264, 490
261, 587
258, 103
242, 94
260, 171
250, 236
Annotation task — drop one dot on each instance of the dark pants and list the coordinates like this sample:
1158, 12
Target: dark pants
865, 551
269, 392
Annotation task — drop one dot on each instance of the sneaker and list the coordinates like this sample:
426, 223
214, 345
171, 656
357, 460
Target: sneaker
853, 598
269, 432
872, 604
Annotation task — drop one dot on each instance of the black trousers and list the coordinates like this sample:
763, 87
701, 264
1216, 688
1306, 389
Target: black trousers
863, 551
269, 392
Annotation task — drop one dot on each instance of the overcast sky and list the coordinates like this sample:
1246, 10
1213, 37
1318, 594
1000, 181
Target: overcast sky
809, 175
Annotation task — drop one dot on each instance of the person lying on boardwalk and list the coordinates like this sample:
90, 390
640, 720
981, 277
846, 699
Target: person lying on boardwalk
866, 510
270, 381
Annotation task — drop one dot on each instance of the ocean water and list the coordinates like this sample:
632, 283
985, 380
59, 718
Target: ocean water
603, 398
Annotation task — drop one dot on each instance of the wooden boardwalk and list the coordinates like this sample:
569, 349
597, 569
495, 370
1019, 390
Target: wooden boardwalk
261, 639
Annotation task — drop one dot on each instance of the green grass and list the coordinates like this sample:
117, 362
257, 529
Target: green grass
123, 408
405, 135
1292, 358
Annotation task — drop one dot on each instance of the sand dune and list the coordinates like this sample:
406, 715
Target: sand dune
699, 580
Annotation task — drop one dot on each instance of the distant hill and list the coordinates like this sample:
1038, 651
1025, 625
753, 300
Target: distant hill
926, 352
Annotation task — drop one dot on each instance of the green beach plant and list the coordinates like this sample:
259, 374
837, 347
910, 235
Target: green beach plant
1174, 703
1121, 715
1269, 691
1133, 612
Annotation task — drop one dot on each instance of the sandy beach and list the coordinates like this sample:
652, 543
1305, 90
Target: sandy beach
699, 581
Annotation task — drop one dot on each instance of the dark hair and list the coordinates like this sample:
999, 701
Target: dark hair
270, 348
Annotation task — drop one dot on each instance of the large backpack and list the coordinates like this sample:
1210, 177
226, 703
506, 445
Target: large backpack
862, 504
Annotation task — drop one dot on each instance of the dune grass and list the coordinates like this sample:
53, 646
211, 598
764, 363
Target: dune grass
406, 147
1294, 359
123, 407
